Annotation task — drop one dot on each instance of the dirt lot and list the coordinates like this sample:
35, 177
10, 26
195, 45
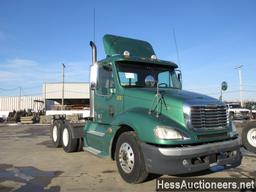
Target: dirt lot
28, 162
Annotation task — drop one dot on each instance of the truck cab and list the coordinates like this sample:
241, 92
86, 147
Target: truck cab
141, 118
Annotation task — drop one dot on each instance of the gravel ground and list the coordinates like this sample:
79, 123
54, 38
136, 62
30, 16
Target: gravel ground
29, 162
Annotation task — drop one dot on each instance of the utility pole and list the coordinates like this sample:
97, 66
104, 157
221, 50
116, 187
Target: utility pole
241, 84
44, 96
20, 99
62, 100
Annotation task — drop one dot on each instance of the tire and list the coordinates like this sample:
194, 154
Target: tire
56, 131
132, 167
68, 143
249, 137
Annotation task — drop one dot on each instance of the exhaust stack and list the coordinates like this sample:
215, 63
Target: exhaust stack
94, 52
93, 77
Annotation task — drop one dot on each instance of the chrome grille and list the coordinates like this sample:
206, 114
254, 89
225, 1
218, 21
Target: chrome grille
208, 117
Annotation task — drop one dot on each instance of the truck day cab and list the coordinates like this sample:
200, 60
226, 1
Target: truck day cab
141, 118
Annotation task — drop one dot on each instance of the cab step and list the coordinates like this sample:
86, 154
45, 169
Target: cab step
96, 152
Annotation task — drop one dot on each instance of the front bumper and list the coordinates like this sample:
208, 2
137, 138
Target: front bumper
188, 159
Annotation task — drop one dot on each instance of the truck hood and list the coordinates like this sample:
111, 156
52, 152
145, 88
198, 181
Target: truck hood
173, 96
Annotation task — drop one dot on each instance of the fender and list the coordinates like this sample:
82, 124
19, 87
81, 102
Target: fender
144, 124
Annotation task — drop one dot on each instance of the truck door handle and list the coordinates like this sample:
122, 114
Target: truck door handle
111, 110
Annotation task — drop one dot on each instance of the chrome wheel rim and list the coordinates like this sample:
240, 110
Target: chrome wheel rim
126, 158
54, 133
251, 137
65, 137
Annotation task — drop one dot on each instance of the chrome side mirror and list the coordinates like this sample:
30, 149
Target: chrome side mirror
179, 75
150, 81
93, 85
224, 86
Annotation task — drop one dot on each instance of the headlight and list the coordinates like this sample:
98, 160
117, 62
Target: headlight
186, 110
186, 113
165, 132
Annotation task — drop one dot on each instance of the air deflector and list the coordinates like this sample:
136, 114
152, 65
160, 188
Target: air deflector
116, 45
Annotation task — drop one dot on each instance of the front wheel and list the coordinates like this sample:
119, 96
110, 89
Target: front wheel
129, 158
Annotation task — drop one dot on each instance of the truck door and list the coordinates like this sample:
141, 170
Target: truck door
106, 103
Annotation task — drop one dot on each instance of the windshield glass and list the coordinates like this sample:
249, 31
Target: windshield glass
135, 74
234, 106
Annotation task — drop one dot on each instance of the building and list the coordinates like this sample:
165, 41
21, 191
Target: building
10, 103
76, 95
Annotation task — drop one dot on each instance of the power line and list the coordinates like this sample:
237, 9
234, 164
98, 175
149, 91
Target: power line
94, 22
12, 89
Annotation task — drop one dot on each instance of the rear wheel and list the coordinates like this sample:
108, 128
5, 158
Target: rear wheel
249, 137
56, 130
69, 144
129, 158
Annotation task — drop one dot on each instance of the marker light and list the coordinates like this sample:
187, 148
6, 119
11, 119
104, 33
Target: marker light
126, 53
153, 57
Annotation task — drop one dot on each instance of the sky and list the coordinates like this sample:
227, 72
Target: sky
213, 37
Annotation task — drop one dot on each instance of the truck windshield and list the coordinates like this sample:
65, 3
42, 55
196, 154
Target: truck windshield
234, 106
136, 74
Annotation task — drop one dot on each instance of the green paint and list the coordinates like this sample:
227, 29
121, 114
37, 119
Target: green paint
116, 45
117, 105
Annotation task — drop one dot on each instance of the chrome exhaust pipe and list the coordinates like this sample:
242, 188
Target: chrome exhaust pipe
93, 77
94, 52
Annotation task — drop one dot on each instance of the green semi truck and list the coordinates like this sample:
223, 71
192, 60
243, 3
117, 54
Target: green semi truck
141, 118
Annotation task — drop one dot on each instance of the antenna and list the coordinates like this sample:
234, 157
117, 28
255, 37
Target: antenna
176, 47
94, 25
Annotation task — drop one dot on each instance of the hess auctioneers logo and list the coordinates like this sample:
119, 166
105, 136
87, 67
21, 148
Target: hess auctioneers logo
206, 184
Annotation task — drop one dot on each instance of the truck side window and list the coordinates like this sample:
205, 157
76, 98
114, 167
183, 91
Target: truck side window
128, 79
105, 82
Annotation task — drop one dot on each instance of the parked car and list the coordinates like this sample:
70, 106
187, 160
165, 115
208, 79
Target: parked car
236, 112
254, 114
252, 107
